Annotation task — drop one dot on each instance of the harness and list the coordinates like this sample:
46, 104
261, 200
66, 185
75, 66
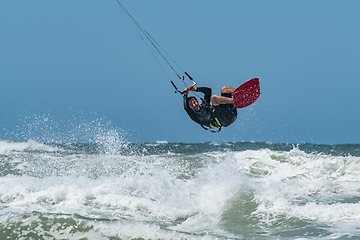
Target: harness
215, 125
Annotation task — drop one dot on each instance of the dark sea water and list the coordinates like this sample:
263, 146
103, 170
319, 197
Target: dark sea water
235, 190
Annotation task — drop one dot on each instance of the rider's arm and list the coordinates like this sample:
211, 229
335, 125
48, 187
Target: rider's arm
207, 94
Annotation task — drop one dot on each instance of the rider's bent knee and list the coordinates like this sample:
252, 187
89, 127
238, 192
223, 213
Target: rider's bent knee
225, 89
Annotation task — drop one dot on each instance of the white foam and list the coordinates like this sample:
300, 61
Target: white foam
9, 146
189, 194
308, 187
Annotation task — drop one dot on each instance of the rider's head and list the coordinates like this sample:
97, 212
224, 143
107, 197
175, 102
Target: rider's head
193, 104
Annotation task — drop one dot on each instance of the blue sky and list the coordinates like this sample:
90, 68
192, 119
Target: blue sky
68, 68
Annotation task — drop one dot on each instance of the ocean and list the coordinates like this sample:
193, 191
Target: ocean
235, 190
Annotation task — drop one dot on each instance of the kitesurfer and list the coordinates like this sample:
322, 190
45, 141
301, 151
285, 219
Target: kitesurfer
221, 113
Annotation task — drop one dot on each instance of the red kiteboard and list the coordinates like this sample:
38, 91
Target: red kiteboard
247, 93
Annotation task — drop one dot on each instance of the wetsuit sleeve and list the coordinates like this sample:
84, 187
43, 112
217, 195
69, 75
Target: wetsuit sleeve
207, 94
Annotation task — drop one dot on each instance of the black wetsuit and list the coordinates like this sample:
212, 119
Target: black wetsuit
211, 116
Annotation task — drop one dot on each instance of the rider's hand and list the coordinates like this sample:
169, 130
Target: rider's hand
191, 88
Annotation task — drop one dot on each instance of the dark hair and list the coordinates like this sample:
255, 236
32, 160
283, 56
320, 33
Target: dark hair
191, 98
